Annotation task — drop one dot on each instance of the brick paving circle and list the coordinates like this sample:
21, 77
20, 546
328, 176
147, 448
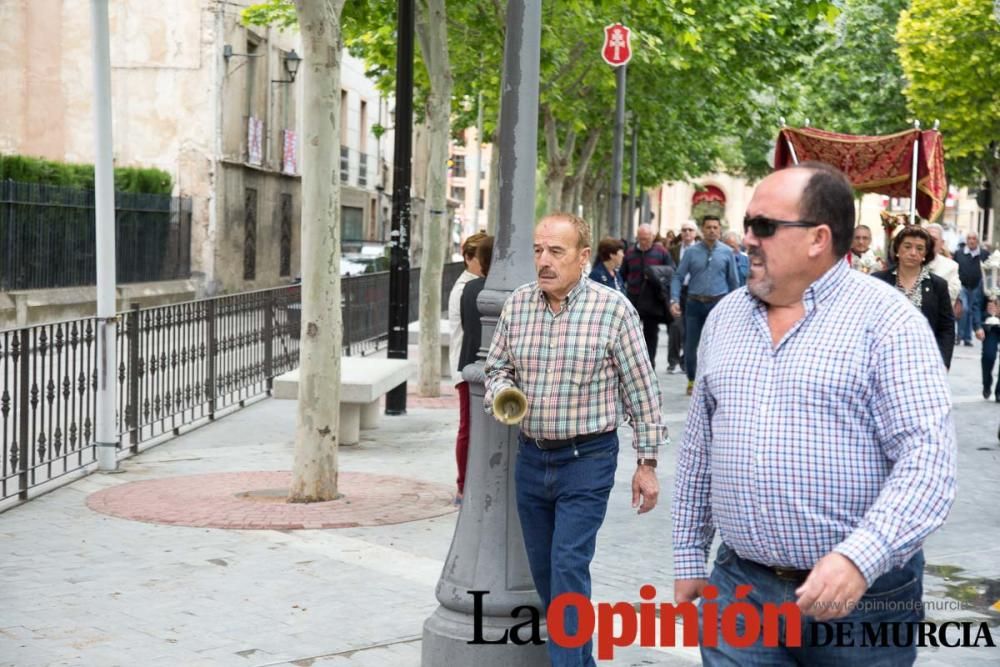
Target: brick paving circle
248, 500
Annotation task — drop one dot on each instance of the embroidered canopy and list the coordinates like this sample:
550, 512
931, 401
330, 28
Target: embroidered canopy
881, 164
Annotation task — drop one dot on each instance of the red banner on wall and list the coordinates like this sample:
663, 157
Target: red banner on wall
881, 164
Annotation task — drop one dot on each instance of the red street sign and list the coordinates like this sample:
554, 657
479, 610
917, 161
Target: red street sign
617, 48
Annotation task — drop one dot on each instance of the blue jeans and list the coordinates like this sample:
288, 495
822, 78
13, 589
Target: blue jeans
695, 314
971, 308
562, 497
894, 597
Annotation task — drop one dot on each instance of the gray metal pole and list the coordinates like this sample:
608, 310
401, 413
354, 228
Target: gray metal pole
487, 550
615, 226
479, 161
104, 205
630, 231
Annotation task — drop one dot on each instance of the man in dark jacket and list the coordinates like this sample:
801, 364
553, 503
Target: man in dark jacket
970, 259
644, 293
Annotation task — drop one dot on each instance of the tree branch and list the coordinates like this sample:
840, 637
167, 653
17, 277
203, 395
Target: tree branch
572, 62
552, 152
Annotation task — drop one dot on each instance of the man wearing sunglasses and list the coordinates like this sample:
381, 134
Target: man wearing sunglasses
819, 443
712, 272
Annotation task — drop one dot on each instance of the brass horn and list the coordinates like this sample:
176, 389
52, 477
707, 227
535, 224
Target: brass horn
509, 406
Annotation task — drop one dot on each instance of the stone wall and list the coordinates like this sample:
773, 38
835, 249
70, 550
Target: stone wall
28, 307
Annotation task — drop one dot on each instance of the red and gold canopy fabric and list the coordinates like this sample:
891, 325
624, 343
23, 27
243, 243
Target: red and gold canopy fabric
874, 164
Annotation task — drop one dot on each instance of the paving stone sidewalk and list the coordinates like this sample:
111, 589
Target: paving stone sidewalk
80, 587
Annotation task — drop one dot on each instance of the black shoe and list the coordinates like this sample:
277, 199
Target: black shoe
967, 343
986, 393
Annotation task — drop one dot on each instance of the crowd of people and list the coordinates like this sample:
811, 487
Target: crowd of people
793, 356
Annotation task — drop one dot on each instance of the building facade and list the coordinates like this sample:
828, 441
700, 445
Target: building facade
209, 100
470, 207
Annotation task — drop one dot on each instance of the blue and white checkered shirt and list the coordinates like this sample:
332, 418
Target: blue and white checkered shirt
840, 438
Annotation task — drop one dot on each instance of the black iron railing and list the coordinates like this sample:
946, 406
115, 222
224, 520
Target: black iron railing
47, 403
47, 237
366, 306
176, 365
183, 362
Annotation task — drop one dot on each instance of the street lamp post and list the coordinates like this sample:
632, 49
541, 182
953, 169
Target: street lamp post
399, 266
487, 550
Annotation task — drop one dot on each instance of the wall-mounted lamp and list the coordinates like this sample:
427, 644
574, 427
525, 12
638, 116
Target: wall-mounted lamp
227, 53
292, 62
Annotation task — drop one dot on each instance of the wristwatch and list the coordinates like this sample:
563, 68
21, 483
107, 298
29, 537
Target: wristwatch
647, 462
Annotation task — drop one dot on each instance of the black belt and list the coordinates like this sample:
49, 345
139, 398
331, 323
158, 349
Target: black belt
705, 299
785, 573
547, 443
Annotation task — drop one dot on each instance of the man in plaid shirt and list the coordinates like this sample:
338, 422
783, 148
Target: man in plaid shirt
575, 349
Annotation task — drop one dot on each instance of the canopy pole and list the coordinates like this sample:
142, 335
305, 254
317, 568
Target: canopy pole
791, 149
913, 174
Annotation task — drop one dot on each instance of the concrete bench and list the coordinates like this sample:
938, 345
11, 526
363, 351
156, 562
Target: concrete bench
363, 382
414, 339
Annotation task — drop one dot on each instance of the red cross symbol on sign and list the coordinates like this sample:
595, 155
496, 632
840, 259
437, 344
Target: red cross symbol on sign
617, 48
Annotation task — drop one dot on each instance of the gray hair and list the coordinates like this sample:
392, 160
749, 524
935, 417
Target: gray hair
732, 234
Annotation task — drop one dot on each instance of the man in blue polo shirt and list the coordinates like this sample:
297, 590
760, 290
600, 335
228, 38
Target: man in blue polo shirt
713, 272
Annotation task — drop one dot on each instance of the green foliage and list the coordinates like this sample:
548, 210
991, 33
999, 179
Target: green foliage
853, 83
950, 53
705, 79
276, 13
49, 172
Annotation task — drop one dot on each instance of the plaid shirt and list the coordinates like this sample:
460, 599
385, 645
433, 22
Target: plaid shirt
840, 438
582, 369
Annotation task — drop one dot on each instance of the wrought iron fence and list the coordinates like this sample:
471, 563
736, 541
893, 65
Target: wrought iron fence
47, 406
177, 364
183, 362
366, 306
47, 237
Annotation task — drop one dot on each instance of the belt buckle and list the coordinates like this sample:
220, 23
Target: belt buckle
787, 573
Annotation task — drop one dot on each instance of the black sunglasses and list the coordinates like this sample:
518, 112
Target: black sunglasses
764, 227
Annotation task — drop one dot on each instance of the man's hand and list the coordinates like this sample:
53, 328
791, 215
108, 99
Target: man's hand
688, 590
980, 334
675, 309
645, 484
832, 588
958, 308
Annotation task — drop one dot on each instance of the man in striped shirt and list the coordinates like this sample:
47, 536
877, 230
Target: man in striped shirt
575, 349
820, 441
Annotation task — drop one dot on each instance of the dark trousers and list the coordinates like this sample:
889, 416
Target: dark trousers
462, 441
651, 332
695, 315
675, 343
989, 358
675, 333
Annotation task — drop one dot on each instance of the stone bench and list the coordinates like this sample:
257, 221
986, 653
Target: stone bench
363, 382
414, 339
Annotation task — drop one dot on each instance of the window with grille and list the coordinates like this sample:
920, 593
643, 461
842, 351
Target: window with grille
285, 222
250, 234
